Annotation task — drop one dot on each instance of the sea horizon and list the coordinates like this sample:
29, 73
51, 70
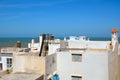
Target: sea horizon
11, 41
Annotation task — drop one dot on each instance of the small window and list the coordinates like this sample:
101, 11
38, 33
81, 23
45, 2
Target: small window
76, 78
9, 62
77, 57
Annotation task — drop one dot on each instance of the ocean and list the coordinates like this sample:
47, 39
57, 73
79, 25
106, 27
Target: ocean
11, 42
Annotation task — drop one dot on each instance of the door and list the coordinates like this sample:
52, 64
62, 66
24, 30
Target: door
0, 66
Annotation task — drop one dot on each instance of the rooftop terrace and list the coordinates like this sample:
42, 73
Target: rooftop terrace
21, 76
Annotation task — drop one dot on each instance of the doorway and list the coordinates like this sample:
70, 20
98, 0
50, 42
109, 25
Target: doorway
0, 66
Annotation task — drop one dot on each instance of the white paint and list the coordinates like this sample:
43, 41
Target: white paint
98, 61
34, 47
4, 62
53, 48
114, 38
94, 66
119, 50
88, 44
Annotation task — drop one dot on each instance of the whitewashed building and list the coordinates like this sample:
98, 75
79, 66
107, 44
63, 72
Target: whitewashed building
76, 58
5, 61
83, 59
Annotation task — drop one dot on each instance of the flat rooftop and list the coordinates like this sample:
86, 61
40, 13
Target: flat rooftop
21, 76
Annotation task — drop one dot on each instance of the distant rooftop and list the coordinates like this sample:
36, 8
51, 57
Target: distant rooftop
6, 54
114, 30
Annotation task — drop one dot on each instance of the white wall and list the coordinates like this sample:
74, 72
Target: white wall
98, 44
53, 48
118, 48
94, 66
34, 46
80, 44
88, 44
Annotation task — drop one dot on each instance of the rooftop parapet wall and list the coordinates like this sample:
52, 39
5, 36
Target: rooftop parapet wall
13, 50
88, 44
28, 63
9, 50
33, 63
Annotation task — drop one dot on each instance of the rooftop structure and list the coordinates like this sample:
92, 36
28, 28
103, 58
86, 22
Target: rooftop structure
70, 59
114, 30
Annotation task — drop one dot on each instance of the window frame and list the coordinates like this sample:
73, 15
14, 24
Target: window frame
9, 62
80, 77
73, 59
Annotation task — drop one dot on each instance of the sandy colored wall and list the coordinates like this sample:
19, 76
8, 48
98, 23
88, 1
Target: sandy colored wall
28, 63
114, 64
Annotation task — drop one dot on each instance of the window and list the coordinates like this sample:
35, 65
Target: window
9, 62
77, 57
76, 78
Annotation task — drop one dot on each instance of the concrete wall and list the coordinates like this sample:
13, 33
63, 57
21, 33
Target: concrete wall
53, 48
119, 50
28, 63
35, 64
9, 50
80, 44
94, 66
100, 44
51, 65
88, 44
35, 47
114, 64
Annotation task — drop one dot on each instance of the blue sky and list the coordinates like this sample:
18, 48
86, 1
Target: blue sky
29, 18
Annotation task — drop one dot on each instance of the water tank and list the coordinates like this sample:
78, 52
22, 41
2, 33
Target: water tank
51, 37
18, 44
43, 36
